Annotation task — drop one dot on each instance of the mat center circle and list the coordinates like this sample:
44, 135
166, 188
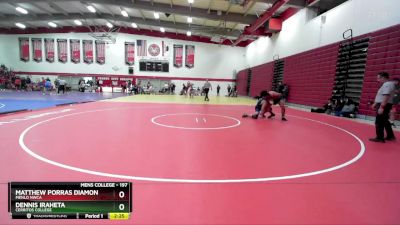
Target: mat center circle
195, 121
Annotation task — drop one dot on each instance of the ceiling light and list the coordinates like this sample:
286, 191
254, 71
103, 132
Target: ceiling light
162, 29
20, 25
21, 10
189, 33
190, 1
189, 19
156, 15
52, 24
78, 22
124, 13
134, 25
109, 25
91, 8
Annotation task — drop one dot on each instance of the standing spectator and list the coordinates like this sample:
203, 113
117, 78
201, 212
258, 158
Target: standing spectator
81, 84
28, 82
383, 104
207, 88
17, 83
218, 88
229, 90
234, 91
284, 90
57, 84
61, 86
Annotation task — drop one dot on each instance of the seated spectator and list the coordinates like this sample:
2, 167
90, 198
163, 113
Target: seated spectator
327, 108
339, 103
348, 109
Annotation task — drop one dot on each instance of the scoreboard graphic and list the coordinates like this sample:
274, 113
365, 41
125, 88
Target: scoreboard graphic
70, 200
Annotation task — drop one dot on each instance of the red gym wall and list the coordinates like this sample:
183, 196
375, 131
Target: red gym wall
241, 82
383, 55
261, 78
310, 75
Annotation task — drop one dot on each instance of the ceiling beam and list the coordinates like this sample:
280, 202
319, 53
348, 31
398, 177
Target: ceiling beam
291, 3
148, 22
56, 7
41, 8
161, 7
265, 17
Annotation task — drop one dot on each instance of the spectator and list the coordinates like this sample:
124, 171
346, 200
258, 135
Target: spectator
229, 90
283, 89
327, 108
348, 109
218, 88
61, 86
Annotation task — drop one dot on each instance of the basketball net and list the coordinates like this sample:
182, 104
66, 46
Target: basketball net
108, 35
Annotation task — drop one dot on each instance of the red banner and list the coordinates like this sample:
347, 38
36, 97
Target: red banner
100, 52
189, 59
178, 55
24, 49
87, 51
62, 47
49, 49
37, 49
130, 53
75, 46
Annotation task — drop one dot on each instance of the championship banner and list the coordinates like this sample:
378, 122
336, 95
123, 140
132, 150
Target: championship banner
75, 46
24, 49
49, 49
100, 52
165, 49
189, 53
87, 51
37, 49
130, 53
62, 48
178, 55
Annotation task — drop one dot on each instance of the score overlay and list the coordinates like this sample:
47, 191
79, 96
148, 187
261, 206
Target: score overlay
70, 200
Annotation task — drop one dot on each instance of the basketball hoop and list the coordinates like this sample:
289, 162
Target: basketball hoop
108, 35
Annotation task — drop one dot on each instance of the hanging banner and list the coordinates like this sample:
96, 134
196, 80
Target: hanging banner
130, 53
49, 49
87, 51
37, 49
62, 48
141, 47
178, 55
100, 52
75, 46
189, 53
24, 49
165, 49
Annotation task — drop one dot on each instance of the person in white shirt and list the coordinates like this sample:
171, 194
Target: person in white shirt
383, 104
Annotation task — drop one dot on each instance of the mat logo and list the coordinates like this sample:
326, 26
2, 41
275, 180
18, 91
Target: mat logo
154, 50
34, 116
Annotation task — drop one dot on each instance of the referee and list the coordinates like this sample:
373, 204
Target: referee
383, 104
207, 87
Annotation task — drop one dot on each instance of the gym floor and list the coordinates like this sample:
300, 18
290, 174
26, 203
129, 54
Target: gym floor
196, 162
